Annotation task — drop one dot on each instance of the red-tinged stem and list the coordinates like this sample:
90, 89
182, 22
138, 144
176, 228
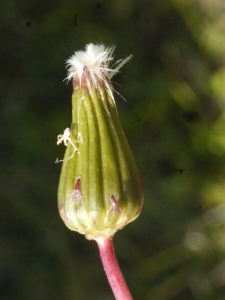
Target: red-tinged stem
112, 269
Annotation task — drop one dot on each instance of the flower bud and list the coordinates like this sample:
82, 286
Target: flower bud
99, 189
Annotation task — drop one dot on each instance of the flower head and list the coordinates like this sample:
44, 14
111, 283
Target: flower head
99, 189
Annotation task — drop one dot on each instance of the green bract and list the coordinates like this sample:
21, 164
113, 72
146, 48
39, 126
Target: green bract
99, 189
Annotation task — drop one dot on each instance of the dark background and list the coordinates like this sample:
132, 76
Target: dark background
174, 119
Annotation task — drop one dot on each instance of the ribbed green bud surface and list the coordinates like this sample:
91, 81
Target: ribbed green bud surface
99, 189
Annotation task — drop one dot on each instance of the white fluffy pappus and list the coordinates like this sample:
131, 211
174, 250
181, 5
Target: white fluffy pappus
98, 61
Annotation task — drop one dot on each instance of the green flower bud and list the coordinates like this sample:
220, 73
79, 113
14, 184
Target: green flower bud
99, 189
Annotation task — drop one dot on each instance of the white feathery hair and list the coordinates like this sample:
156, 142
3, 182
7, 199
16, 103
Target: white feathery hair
98, 61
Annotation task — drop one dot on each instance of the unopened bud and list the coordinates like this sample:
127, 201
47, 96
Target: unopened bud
99, 189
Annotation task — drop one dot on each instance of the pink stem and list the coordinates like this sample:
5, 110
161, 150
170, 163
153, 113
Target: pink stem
112, 269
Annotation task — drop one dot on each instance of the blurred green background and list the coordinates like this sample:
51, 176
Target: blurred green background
174, 119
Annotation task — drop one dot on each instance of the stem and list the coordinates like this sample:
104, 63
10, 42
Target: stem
112, 269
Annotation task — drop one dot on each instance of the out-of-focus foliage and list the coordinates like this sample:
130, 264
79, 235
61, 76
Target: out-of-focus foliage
174, 119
